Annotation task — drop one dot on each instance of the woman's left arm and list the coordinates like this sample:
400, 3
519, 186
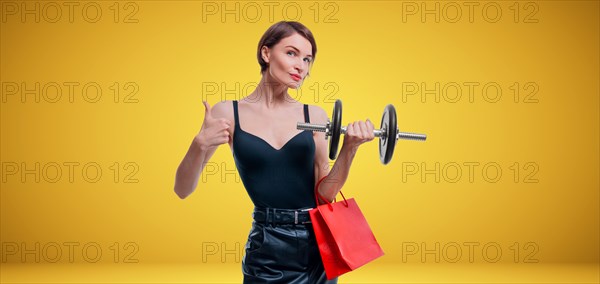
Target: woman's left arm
357, 133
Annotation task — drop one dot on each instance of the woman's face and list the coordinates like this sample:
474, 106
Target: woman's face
289, 60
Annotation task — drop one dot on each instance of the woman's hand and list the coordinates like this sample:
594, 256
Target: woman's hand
357, 133
214, 131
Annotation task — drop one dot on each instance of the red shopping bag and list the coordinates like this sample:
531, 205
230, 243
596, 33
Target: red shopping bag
345, 239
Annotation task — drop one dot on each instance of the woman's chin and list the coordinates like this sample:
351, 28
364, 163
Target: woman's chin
294, 84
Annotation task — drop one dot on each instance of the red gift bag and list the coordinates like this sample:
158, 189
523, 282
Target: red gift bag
345, 239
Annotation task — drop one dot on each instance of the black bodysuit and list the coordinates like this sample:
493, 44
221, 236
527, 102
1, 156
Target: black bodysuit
283, 178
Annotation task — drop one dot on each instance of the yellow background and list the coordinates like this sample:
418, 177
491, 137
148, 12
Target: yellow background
367, 56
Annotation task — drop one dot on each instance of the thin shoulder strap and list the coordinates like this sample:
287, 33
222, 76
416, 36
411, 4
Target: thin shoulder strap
306, 116
235, 113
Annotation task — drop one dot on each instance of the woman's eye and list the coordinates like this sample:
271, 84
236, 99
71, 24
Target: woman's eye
293, 53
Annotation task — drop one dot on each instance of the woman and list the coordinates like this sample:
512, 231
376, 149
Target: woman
279, 165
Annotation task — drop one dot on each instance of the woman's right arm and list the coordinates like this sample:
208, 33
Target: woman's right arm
214, 132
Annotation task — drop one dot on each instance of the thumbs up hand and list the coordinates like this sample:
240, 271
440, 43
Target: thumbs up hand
214, 131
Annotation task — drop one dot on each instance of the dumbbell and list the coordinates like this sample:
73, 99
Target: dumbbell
388, 133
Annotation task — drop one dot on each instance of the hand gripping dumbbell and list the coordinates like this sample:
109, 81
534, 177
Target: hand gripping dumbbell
388, 134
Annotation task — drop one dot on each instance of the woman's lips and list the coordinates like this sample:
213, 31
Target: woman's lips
296, 77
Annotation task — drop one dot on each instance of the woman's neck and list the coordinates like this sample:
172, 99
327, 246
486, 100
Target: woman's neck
270, 94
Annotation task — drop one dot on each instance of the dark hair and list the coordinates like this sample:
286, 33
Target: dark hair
281, 30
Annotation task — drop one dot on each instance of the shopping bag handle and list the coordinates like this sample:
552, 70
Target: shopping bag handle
318, 196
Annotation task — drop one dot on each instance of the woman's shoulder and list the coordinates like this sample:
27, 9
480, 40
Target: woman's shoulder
317, 114
223, 109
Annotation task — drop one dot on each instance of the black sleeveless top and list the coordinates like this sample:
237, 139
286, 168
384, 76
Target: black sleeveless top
283, 178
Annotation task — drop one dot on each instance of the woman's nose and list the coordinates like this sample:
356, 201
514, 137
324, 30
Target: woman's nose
299, 66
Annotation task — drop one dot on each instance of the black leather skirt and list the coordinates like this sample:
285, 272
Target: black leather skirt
283, 253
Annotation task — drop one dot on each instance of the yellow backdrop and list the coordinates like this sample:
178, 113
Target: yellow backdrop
100, 101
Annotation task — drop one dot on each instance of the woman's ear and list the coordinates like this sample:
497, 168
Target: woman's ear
264, 51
